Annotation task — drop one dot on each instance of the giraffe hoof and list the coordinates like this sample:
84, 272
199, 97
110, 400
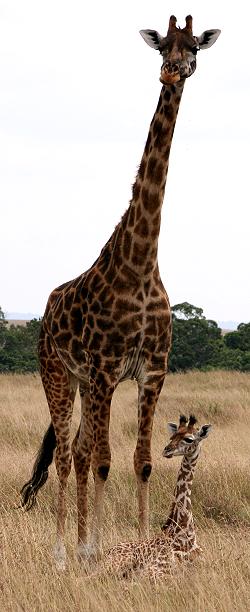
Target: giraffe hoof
60, 565
146, 471
60, 556
88, 552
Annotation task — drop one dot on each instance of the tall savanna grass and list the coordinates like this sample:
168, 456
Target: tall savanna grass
219, 581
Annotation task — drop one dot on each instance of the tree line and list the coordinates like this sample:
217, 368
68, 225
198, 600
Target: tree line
197, 343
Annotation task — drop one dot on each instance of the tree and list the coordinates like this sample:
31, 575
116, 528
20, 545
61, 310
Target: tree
239, 339
19, 351
195, 339
3, 329
232, 359
187, 311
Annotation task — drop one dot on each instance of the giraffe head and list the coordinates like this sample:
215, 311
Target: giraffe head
185, 437
179, 49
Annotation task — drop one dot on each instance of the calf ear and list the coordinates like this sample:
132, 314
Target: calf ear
152, 38
204, 431
208, 38
172, 428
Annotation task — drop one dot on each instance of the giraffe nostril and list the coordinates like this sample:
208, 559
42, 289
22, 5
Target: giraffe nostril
167, 452
171, 68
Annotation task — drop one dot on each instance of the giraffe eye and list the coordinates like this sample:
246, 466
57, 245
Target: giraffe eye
194, 50
188, 439
164, 51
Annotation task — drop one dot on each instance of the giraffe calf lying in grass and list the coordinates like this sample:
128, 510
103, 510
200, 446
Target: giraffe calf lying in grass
157, 556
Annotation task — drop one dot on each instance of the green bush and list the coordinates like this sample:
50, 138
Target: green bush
18, 346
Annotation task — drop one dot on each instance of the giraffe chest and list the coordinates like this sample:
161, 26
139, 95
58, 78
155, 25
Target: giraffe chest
128, 324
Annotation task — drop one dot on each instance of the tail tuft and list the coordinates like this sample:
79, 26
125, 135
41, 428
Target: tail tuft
40, 469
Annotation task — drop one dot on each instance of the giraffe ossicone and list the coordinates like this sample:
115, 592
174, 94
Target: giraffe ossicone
113, 322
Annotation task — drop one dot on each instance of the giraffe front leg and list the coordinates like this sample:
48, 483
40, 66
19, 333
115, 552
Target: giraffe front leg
82, 465
101, 475
81, 448
148, 395
101, 458
59, 548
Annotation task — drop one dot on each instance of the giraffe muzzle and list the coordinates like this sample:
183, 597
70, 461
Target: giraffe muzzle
170, 73
167, 453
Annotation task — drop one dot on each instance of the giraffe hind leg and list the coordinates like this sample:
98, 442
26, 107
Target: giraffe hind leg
60, 388
61, 400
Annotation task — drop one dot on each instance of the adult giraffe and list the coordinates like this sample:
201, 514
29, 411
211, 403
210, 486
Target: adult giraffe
113, 322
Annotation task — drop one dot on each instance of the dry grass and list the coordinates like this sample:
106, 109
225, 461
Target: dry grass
221, 501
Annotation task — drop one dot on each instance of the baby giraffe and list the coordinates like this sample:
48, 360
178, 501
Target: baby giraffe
157, 556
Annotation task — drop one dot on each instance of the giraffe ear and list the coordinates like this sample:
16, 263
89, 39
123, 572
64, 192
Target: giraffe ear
152, 38
204, 431
172, 428
207, 38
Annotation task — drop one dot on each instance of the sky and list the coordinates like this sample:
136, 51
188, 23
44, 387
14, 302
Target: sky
78, 89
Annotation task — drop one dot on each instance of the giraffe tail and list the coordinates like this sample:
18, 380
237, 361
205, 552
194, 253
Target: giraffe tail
40, 470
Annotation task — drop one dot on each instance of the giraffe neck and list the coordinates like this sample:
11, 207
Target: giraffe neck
135, 240
180, 523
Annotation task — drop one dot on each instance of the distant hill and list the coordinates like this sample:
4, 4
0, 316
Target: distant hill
228, 325
20, 316
17, 317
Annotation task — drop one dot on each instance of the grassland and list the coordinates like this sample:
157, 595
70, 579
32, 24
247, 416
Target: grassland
221, 502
